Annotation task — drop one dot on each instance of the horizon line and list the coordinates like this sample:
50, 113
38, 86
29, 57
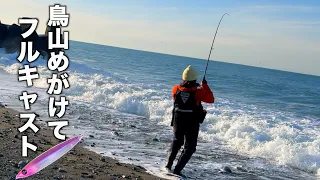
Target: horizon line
218, 61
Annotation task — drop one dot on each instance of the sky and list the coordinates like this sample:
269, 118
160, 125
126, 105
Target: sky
276, 34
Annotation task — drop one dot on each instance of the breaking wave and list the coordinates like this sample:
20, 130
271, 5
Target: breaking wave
244, 128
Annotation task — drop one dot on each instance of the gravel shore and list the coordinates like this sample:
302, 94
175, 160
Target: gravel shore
79, 163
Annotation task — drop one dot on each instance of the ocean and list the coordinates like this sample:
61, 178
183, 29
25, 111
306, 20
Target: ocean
264, 123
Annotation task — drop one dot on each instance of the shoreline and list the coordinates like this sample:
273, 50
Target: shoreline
79, 163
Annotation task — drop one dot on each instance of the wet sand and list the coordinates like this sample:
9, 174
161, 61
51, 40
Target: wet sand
79, 163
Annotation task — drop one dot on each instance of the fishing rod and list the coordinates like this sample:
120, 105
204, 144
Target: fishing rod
212, 45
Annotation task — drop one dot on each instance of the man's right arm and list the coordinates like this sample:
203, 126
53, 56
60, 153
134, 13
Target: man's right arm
174, 92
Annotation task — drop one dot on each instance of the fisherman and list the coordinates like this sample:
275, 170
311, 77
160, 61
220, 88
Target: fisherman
187, 115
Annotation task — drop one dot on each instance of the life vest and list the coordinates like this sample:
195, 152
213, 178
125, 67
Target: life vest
186, 108
185, 101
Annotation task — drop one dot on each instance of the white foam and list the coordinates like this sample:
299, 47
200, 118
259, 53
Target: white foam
277, 142
12, 69
129, 98
11, 65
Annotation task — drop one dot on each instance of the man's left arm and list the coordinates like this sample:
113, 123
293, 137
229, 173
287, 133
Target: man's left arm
205, 93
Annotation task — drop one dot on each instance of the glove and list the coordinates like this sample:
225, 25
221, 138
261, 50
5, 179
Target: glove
204, 81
